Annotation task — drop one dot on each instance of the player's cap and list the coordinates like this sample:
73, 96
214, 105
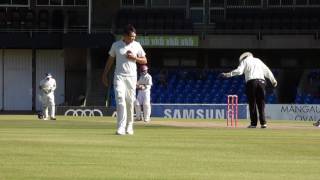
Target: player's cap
143, 68
244, 55
48, 75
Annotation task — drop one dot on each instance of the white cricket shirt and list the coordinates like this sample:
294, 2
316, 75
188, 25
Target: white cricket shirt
253, 68
124, 66
48, 85
146, 80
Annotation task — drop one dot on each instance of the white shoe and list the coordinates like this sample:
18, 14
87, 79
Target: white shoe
130, 132
45, 119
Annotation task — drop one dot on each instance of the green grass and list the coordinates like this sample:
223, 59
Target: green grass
86, 148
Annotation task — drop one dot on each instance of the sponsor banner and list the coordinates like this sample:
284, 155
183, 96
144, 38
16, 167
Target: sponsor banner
85, 111
298, 112
196, 111
167, 41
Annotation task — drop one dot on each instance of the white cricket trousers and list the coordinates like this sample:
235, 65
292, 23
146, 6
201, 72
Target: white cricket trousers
48, 105
125, 92
143, 99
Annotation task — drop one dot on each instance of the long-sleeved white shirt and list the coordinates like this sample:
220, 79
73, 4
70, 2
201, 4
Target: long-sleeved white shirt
253, 68
48, 85
145, 80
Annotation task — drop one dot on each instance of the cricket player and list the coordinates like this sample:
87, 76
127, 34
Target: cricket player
125, 53
48, 86
144, 89
255, 72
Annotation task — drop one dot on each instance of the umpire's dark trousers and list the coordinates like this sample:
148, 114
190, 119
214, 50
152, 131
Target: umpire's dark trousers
255, 89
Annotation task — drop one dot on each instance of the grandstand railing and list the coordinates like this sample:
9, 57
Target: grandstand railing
36, 30
195, 31
11, 3
262, 31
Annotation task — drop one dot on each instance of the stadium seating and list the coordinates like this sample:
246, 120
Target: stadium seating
311, 93
43, 19
29, 19
17, 19
3, 20
270, 19
193, 86
57, 19
13, 19
184, 87
154, 21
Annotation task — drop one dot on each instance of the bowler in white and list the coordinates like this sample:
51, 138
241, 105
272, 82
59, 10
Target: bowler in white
126, 53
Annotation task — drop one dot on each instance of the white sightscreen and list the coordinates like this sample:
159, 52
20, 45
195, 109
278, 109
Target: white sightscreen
17, 78
1, 79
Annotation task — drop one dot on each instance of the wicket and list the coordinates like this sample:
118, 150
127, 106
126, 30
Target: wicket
232, 110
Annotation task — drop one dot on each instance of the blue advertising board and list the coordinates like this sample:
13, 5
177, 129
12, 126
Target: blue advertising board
196, 111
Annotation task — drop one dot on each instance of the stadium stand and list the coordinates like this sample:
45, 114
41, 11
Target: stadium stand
43, 19
221, 26
271, 19
3, 20
197, 86
309, 88
13, 19
57, 20
155, 21
29, 19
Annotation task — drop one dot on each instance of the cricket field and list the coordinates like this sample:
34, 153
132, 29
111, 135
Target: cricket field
86, 148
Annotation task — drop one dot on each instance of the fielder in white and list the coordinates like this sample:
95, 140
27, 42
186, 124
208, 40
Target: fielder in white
144, 89
126, 53
48, 86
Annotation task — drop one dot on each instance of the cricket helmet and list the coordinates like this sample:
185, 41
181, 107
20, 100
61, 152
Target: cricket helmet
143, 68
244, 55
48, 75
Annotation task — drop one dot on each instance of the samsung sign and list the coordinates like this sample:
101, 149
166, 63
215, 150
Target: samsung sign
298, 112
195, 111
179, 111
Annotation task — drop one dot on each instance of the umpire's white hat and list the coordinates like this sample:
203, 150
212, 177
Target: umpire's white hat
244, 55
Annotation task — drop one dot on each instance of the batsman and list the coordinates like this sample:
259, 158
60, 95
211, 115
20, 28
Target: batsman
144, 87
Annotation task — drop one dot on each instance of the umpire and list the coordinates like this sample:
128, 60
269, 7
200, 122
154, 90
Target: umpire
255, 72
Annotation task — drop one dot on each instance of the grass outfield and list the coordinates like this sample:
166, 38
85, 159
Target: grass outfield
86, 148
